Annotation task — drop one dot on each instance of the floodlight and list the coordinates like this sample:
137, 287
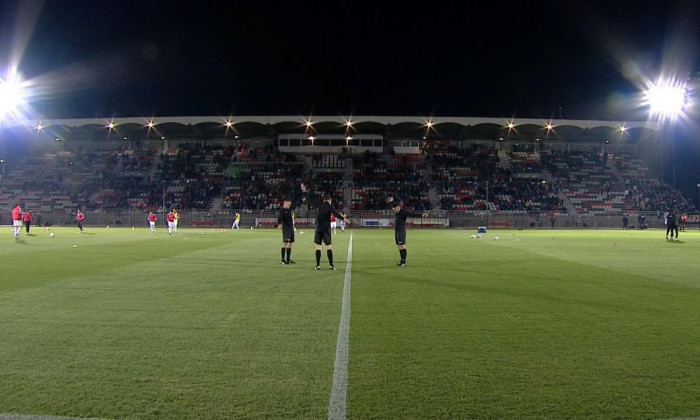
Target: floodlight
111, 125
666, 101
11, 94
39, 127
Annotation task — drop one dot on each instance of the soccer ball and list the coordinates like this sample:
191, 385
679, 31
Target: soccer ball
51, 234
301, 233
496, 238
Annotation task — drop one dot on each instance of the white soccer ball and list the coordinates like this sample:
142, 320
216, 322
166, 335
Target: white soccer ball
301, 232
51, 234
473, 236
496, 238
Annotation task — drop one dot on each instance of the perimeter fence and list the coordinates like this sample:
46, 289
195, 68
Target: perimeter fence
371, 219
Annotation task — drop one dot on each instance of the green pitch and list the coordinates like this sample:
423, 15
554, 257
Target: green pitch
115, 323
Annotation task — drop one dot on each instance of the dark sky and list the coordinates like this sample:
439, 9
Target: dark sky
570, 59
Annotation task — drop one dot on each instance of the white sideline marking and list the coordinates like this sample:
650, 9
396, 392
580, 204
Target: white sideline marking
10, 416
336, 406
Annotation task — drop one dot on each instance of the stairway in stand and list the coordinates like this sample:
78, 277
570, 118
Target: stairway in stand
434, 200
550, 179
347, 185
216, 204
503, 159
620, 179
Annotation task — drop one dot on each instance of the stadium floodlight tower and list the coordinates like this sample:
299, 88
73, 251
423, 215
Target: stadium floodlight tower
667, 100
11, 99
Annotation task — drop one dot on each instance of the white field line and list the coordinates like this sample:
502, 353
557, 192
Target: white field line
10, 416
336, 406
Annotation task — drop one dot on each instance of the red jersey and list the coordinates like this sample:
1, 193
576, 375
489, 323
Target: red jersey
27, 217
170, 217
333, 219
152, 217
16, 213
80, 216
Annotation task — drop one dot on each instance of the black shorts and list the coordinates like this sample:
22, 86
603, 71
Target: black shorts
322, 235
288, 235
400, 237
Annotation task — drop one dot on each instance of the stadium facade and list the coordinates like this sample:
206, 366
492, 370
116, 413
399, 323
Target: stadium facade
468, 171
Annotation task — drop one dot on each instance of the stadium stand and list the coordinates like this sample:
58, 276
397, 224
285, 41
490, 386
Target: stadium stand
450, 176
378, 175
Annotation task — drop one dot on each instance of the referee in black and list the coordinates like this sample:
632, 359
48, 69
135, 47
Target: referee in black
286, 223
672, 224
400, 216
323, 230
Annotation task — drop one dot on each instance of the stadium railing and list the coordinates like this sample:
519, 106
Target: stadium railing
366, 219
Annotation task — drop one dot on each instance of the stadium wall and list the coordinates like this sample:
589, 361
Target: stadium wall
373, 219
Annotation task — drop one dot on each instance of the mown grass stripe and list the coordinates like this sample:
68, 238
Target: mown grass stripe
10, 416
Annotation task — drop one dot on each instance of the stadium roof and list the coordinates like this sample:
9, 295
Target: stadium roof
458, 128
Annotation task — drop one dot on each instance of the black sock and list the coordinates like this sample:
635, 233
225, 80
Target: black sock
289, 254
330, 256
318, 257
402, 252
283, 253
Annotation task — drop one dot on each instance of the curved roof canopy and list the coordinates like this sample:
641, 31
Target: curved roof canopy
458, 128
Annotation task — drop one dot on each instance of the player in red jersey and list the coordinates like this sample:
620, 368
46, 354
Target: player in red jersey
170, 217
27, 218
152, 221
79, 217
16, 221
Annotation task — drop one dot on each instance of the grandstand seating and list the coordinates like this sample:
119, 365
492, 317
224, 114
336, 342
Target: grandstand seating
450, 176
588, 182
377, 176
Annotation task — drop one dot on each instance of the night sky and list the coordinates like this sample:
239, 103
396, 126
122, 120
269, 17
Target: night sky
563, 59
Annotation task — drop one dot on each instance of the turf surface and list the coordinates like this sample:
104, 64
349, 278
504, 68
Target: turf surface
116, 323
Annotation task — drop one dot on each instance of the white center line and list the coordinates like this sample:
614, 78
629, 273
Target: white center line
336, 406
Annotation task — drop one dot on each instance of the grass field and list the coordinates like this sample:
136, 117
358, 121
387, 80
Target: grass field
125, 324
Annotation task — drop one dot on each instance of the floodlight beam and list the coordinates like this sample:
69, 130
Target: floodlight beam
667, 101
12, 94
